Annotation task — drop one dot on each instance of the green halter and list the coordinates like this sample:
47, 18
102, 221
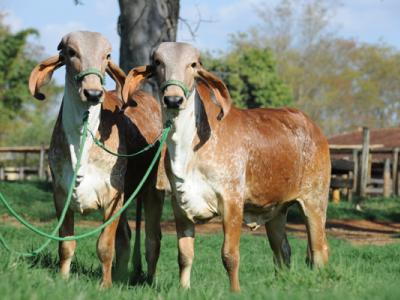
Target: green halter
179, 83
79, 77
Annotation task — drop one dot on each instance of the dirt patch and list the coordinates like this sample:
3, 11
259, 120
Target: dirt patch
358, 232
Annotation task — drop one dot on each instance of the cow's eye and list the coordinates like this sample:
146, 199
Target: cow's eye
71, 52
194, 65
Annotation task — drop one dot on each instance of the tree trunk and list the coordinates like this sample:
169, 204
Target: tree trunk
142, 25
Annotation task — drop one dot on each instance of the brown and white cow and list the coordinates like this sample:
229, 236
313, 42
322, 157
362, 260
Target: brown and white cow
247, 165
103, 179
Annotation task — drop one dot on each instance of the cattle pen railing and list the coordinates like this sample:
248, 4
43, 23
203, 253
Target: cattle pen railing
23, 170
360, 170
364, 170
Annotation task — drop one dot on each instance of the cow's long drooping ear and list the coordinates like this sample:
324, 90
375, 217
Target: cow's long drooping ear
133, 80
220, 91
42, 73
117, 74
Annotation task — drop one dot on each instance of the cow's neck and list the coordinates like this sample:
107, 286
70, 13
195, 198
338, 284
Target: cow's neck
183, 133
73, 112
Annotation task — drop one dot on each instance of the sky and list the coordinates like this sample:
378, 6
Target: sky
364, 20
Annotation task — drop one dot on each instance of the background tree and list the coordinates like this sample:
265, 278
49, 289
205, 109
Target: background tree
142, 25
340, 83
23, 120
250, 75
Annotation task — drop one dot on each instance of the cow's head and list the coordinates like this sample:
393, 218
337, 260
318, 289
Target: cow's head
177, 69
87, 57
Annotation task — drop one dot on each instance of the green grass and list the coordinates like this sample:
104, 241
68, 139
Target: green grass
373, 209
368, 272
354, 272
38, 197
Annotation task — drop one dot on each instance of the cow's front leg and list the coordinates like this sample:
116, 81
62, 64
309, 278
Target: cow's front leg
185, 233
106, 241
66, 249
232, 225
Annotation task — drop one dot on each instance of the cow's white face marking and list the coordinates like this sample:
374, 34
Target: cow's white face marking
194, 191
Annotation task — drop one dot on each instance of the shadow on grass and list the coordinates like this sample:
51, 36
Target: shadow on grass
46, 260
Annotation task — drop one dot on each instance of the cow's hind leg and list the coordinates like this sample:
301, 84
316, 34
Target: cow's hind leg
232, 225
122, 248
153, 203
278, 241
106, 241
315, 218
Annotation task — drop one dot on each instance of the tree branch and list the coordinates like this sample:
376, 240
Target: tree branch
194, 26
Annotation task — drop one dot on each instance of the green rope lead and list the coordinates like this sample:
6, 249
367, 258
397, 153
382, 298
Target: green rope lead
65, 209
105, 224
102, 146
81, 75
179, 83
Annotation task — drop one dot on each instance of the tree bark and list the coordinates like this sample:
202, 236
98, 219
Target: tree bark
142, 25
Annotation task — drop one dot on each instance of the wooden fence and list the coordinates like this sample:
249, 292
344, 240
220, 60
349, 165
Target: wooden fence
364, 170
24, 171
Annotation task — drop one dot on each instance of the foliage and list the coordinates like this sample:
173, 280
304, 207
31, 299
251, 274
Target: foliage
341, 83
16, 67
250, 75
21, 117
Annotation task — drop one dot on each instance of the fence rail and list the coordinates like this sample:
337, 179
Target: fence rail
363, 170
372, 169
23, 172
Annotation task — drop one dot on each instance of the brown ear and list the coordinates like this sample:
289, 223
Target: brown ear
220, 91
42, 73
117, 75
133, 80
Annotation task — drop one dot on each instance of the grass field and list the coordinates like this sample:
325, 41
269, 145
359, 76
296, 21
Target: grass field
38, 197
354, 272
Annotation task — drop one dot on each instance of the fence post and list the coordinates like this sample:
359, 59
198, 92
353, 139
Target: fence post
355, 171
336, 195
387, 185
395, 175
41, 162
2, 176
21, 173
364, 163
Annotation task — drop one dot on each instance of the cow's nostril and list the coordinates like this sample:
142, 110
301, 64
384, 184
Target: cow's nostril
173, 101
93, 95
